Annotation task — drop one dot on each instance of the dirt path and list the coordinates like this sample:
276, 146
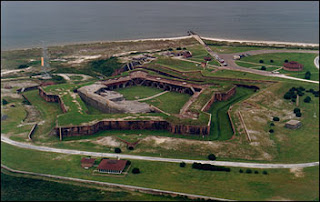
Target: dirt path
151, 97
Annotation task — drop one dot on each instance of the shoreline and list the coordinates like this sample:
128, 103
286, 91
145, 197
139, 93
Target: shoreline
249, 42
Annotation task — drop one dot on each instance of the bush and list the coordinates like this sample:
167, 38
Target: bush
316, 93
260, 61
293, 100
264, 172
300, 93
117, 150
130, 148
263, 68
271, 124
307, 99
271, 131
212, 157
294, 96
209, 167
296, 110
307, 75
298, 114
240, 171
271, 61
128, 163
248, 171
301, 88
286, 61
276, 118
287, 96
135, 170
22, 66
256, 172
4, 102
170, 49
184, 48
182, 164
179, 48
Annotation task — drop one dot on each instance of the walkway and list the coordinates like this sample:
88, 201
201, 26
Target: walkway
151, 97
316, 62
149, 158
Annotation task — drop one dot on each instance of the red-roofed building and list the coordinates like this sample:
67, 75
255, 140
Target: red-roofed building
87, 162
292, 66
112, 166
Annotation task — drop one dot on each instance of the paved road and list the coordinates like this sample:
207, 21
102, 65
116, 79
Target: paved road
149, 158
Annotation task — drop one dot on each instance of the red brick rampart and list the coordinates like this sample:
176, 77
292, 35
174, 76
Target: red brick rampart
90, 129
52, 98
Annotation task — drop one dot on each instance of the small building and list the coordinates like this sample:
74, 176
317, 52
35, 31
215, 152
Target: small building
112, 166
203, 64
187, 54
87, 162
236, 57
207, 58
292, 66
293, 124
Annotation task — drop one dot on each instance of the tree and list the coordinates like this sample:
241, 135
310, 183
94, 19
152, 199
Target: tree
271, 124
212, 157
22, 66
248, 171
293, 99
276, 118
286, 61
117, 150
298, 114
287, 96
264, 172
4, 102
130, 148
170, 49
184, 48
182, 164
296, 110
128, 163
260, 61
263, 68
271, 61
307, 75
135, 170
300, 93
307, 99
240, 171
271, 131
256, 172
179, 48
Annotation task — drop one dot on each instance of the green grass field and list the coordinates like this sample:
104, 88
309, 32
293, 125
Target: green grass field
198, 54
21, 188
138, 92
170, 102
279, 183
278, 59
177, 64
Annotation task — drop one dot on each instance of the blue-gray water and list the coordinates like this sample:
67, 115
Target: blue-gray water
25, 24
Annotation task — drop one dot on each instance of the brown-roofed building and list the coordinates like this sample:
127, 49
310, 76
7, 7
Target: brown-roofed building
87, 162
292, 66
112, 166
207, 58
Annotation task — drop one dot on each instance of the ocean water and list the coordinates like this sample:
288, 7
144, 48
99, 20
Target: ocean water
25, 24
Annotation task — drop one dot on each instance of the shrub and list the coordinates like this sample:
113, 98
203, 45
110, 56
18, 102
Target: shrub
240, 171
293, 100
128, 163
256, 172
296, 110
260, 61
271, 124
301, 88
263, 68
209, 167
184, 48
276, 118
182, 164
130, 148
307, 75
170, 49
310, 90
307, 99
271, 131
300, 93
298, 114
316, 93
294, 96
212, 157
264, 172
286, 61
179, 48
22, 66
135, 170
117, 150
271, 61
287, 96
248, 171
4, 102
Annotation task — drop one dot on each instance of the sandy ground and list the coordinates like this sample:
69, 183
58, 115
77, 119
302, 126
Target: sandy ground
7, 71
81, 58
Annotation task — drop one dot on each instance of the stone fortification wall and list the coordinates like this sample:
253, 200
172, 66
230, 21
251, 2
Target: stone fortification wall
219, 96
52, 98
27, 88
90, 129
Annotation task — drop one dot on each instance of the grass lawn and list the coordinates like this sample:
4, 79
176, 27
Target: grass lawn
198, 53
278, 59
170, 102
138, 92
278, 183
233, 49
177, 64
220, 124
76, 78
21, 188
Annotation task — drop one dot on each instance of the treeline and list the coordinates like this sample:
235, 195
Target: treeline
201, 166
